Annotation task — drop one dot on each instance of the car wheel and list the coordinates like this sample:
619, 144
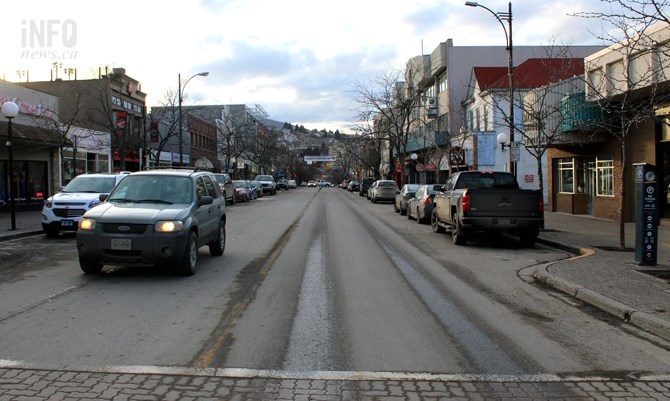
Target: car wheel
409, 214
434, 222
217, 246
186, 265
419, 219
90, 266
403, 211
457, 233
51, 232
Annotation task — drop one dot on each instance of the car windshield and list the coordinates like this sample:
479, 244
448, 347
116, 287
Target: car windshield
153, 189
264, 178
90, 184
239, 184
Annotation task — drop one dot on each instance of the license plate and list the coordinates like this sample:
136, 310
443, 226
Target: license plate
67, 223
122, 244
504, 222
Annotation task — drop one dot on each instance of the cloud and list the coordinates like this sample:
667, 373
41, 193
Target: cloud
296, 58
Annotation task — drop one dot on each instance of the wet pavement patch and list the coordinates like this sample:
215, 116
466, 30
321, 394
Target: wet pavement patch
659, 273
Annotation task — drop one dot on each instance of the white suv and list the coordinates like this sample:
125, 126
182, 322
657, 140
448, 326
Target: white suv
63, 211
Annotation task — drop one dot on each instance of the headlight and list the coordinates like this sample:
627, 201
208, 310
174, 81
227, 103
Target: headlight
87, 224
48, 203
168, 226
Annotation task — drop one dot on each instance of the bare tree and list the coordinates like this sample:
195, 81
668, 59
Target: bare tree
393, 104
166, 115
234, 134
637, 84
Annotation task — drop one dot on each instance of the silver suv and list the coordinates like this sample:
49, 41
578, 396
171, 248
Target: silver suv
156, 217
63, 211
227, 187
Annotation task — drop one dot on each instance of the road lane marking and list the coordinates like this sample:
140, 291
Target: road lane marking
32, 305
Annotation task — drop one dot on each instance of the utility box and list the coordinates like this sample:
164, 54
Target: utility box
646, 214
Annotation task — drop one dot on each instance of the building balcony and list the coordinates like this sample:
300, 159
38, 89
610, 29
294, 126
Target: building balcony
581, 122
435, 139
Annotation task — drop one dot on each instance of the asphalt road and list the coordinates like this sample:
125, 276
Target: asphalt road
314, 279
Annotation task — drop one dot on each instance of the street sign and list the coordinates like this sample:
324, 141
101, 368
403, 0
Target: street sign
326, 158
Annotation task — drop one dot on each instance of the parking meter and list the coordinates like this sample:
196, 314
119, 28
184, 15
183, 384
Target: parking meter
646, 214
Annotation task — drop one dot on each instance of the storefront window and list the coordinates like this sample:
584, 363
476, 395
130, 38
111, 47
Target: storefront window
97, 163
566, 172
605, 176
30, 182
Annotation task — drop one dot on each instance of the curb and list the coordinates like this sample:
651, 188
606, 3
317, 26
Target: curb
643, 320
11, 236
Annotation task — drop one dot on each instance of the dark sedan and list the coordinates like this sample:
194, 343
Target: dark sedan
365, 185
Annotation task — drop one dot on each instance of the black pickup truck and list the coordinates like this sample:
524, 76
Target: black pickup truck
487, 201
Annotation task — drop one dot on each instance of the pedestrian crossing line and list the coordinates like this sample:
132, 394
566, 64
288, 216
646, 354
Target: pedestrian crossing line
242, 373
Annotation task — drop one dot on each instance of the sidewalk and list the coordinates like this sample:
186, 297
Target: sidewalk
607, 279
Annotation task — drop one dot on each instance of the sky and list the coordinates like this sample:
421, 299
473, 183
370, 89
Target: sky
297, 59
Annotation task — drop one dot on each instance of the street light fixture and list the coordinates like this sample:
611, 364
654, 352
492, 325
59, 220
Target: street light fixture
10, 110
180, 92
506, 16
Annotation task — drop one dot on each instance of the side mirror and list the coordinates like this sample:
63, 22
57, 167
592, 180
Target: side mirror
103, 197
205, 200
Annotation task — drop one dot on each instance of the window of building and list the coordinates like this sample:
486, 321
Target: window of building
442, 82
566, 174
605, 176
30, 182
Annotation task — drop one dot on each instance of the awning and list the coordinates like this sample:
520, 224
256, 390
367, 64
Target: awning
26, 134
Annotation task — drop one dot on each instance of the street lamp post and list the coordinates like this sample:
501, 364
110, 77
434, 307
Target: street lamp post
10, 110
180, 92
506, 16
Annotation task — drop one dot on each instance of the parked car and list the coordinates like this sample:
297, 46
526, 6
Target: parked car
474, 202
292, 184
365, 184
242, 191
258, 188
282, 183
251, 189
155, 217
354, 185
321, 183
226, 184
311, 183
405, 194
268, 183
420, 206
64, 210
383, 190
